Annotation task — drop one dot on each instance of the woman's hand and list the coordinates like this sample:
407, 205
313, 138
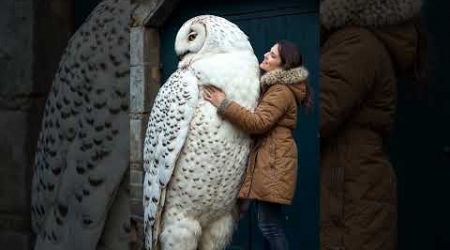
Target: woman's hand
214, 95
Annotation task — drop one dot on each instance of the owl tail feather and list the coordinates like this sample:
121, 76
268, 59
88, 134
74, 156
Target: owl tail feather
157, 225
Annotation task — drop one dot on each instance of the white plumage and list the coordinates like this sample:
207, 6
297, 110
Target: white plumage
79, 197
193, 159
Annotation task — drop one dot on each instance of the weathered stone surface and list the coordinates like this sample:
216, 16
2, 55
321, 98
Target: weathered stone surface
16, 57
16, 98
142, 10
32, 38
139, 47
13, 166
139, 77
138, 127
14, 181
136, 190
152, 13
14, 222
15, 240
144, 68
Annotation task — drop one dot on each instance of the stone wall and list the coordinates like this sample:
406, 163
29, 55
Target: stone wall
16, 89
32, 38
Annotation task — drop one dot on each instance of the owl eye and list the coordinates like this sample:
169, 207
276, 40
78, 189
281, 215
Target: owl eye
192, 36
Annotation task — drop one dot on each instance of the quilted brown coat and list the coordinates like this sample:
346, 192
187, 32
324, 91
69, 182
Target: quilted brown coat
272, 169
359, 63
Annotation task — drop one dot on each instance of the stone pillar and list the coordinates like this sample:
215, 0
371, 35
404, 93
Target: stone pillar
32, 38
16, 88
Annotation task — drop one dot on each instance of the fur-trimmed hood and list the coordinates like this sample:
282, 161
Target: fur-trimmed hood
367, 13
391, 21
291, 78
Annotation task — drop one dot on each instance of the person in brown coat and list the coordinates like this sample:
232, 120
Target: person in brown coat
365, 45
271, 175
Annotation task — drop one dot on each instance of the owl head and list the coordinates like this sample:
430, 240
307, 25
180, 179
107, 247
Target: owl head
207, 34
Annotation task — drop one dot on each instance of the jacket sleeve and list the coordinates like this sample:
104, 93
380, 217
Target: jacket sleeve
271, 108
347, 72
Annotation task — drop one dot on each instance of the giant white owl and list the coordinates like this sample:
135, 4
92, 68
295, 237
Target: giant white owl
79, 187
194, 160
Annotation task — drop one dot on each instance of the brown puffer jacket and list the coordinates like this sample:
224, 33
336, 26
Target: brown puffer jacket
272, 170
358, 70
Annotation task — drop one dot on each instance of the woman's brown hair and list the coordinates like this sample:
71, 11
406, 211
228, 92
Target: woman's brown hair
292, 58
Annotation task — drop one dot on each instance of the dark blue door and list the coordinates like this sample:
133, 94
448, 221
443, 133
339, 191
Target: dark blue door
420, 145
265, 22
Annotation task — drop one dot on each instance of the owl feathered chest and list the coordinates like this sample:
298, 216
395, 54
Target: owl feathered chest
211, 163
212, 140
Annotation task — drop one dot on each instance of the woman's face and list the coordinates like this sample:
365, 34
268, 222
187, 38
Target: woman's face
272, 60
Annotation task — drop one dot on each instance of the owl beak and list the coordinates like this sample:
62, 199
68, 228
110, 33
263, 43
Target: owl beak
180, 57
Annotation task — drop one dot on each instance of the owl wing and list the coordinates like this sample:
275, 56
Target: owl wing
82, 152
167, 130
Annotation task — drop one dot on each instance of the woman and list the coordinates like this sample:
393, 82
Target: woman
365, 46
271, 175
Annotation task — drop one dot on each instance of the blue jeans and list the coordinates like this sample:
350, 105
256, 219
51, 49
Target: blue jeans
270, 219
